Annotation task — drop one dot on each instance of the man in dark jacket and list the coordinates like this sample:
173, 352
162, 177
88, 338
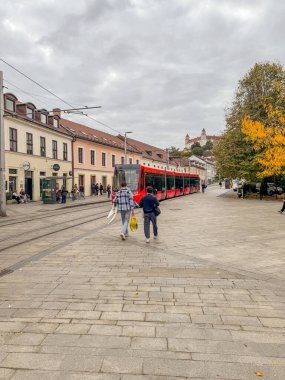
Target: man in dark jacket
149, 203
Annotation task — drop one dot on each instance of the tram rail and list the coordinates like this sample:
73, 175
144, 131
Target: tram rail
55, 212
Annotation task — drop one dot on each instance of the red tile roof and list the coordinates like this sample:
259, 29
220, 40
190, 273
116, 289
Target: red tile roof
148, 151
87, 133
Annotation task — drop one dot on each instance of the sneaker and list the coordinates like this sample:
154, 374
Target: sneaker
155, 237
147, 241
122, 236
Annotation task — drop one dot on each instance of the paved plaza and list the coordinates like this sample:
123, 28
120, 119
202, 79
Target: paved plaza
204, 301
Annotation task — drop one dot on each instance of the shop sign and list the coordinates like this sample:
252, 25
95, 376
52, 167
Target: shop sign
26, 165
56, 167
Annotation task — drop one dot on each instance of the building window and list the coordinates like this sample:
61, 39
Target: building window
43, 146
10, 105
13, 139
81, 180
42, 174
65, 151
92, 157
80, 155
29, 140
56, 123
13, 171
113, 160
103, 159
43, 118
138, 162
30, 113
54, 149
130, 160
122, 160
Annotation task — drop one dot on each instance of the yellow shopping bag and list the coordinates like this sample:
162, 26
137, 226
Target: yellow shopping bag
133, 223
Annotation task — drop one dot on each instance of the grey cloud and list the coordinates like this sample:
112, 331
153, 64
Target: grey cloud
161, 68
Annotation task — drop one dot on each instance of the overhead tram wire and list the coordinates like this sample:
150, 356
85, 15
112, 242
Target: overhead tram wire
58, 97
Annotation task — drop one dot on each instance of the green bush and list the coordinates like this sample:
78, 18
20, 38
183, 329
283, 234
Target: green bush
8, 196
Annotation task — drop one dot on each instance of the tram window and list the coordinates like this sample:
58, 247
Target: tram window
158, 182
170, 182
186, 182
142, 180
149, 180
179, 182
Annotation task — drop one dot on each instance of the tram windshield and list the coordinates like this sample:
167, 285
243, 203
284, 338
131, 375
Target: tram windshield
128, 174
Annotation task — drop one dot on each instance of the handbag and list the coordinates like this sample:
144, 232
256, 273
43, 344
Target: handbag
133, 223
157, 211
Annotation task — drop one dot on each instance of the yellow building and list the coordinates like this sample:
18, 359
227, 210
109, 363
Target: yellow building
36, 146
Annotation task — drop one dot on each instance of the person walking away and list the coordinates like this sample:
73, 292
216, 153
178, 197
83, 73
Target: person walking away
101, 189
109, 191
203, 187
81, 192
149, 202
64, 193
97, 189
220, 184
125, 205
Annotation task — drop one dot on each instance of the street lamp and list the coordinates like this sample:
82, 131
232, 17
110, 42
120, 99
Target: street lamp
126, 146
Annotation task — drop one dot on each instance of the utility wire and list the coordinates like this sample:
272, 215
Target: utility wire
50, 92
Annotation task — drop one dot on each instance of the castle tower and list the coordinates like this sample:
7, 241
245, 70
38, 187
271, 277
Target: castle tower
187, 140
203, 137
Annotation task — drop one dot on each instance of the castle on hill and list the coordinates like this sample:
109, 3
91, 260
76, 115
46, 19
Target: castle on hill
202, 139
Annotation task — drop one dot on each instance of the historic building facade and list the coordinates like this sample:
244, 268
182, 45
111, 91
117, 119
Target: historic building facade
36, 147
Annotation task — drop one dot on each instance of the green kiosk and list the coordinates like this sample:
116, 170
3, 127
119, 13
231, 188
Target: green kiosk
49, 187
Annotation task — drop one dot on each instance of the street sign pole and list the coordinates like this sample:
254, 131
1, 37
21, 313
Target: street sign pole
2, 152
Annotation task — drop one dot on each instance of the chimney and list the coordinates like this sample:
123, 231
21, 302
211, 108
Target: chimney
56, 112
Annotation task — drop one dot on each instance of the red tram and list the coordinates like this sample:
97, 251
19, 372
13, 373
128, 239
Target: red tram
167, 184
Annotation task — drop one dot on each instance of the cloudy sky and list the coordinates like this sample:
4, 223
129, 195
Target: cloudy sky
158, 68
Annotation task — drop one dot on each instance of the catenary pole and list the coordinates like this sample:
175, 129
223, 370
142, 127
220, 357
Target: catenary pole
2, 152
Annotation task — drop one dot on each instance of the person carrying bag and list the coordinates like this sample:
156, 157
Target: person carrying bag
151, 210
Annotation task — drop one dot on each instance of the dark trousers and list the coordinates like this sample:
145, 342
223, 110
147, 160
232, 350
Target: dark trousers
283, 207
150, 217
63, 199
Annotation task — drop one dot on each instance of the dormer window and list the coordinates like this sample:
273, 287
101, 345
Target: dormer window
30, 113
159, 155
56, 123
43, 118
149, 152
10, 105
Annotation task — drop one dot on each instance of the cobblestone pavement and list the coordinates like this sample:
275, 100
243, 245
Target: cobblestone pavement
204, 301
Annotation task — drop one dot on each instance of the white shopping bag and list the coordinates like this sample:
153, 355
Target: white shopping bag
112, 214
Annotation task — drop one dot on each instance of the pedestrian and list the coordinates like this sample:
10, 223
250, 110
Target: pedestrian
81, 192
109, 191
93, 190
101, 188
23, 196
97, 189
204, 186
149, 203
58, 196
220, 184
125, 205
17, 197
64, 193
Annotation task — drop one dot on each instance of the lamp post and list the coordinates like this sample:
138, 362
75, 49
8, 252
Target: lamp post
2, 152
126, 146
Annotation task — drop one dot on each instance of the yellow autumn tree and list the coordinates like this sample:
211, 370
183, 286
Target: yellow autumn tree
268, 139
